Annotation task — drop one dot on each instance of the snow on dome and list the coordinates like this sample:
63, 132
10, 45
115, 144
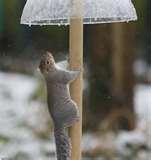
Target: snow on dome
52, 12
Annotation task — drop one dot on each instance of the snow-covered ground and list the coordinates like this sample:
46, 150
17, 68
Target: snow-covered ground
24, 121
132, 145
21, 119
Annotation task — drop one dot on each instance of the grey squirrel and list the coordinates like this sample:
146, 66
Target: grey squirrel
62, 108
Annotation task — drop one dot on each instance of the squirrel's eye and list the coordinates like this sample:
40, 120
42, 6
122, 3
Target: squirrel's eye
47, 62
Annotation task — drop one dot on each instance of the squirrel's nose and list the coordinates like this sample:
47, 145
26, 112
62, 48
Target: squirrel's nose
39, 68
40, 65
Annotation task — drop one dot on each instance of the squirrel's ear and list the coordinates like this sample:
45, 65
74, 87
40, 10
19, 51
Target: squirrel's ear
49, 54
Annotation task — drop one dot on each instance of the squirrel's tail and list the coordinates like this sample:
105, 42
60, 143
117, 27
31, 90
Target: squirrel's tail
63, 144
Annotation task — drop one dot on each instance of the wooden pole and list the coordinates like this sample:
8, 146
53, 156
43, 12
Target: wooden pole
76, 63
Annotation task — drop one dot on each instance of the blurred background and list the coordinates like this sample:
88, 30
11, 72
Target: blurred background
117, 87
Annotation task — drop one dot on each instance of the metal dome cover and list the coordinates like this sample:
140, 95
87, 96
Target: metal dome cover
59, 12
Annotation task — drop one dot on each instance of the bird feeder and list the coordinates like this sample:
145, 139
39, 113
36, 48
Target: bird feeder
76, 13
